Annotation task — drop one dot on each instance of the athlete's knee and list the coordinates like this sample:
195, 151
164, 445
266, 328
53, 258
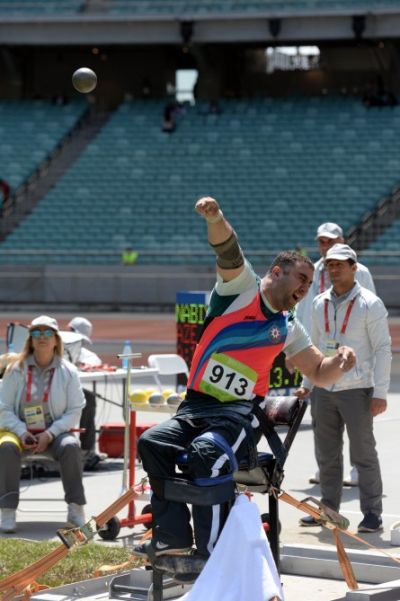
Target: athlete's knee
145, 442
148, 445
206, 457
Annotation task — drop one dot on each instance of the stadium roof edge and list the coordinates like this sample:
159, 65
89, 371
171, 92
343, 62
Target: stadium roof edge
222, 28
198, 16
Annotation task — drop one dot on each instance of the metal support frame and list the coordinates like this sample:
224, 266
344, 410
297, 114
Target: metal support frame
128, 474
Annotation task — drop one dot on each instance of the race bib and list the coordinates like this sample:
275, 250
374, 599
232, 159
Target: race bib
34, 417
228, 379
331, 346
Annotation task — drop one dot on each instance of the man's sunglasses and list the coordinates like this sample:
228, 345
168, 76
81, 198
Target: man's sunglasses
45, 333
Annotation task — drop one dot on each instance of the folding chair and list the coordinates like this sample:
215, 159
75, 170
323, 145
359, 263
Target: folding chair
39, 462
269, 474
17, 333
168, 365
265, 478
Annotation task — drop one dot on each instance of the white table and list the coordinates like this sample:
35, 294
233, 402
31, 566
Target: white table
119, 375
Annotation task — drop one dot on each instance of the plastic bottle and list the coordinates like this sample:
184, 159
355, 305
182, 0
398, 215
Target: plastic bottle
125, 351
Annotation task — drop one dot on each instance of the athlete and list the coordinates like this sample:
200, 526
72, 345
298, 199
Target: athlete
248, 323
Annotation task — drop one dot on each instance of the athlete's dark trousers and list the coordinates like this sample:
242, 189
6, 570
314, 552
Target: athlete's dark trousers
158, 449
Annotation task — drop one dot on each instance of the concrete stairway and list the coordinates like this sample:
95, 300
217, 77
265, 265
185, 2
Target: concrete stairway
376, 221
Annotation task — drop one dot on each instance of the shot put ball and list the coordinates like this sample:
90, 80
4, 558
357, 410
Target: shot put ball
156, 400
174, 400
84, 80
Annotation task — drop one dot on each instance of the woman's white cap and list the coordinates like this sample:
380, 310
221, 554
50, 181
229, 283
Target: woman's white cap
44, 320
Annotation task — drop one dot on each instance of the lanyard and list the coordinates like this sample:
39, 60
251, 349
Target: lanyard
322, 281
46, 392
346, 317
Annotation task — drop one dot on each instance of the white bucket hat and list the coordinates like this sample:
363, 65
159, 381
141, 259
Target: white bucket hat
83, 326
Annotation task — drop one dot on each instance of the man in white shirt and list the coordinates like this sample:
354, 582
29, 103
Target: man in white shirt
329, 234
349, 314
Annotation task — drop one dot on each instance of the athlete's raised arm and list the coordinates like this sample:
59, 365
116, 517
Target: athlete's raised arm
222, 238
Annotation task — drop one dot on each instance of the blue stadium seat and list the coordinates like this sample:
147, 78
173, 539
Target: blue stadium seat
277, 173
25, 126
38, 7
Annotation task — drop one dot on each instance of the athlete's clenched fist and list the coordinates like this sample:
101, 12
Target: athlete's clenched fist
208, 208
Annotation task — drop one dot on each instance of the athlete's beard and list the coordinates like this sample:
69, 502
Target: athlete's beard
288, 302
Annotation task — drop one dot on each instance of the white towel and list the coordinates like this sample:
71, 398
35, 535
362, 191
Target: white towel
241, 566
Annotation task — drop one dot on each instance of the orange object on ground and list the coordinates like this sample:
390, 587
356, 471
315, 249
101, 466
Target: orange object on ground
20, 583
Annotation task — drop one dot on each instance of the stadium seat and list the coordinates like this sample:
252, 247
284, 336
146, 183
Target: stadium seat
37, 7
179, 7
26, 124
277, 173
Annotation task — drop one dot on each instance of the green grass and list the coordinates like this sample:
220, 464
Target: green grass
80, 563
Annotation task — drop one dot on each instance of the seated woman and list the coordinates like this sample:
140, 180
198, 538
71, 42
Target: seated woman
41, 401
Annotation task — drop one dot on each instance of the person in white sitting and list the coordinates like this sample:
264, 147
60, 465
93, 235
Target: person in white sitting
84, 327
41, 402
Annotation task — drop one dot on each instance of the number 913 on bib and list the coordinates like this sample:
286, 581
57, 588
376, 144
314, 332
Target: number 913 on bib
227, 379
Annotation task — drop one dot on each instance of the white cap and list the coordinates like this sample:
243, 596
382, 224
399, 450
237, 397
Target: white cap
329, 230
83, 326
341, 252
44, 320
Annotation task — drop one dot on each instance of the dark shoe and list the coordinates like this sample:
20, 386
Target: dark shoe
149, 550
91, 463
370, 523
308, 521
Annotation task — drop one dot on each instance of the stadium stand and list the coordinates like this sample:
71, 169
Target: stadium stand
193, 7
168, 7
36, 7
30, 130
280, 167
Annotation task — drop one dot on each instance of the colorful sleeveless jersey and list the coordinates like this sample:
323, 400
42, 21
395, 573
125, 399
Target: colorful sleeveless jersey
236, 351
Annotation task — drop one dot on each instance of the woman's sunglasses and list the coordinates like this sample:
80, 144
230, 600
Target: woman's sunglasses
45, 333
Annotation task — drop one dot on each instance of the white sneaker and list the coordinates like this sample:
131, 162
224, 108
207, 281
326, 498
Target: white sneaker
8, 520
314, 479
352, 478
76, 515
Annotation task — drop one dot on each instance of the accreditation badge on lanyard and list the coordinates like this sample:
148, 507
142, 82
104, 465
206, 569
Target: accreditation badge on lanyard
34, 414
331, 344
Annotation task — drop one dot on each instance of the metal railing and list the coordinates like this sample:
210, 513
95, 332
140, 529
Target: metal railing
161, 252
